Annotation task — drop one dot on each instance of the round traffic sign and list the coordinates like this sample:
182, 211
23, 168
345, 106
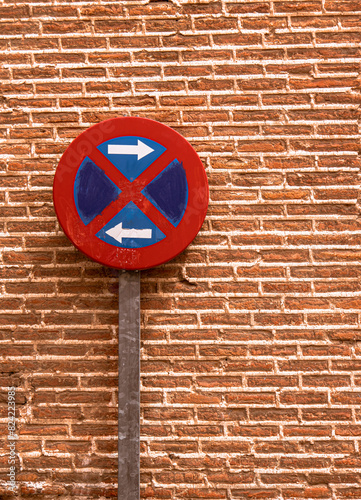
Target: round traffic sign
130, 193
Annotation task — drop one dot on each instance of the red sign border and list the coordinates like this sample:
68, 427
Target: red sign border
178, 237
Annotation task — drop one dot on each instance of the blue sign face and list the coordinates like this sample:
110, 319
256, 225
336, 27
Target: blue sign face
167, 191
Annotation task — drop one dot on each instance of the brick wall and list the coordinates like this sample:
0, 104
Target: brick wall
251, 374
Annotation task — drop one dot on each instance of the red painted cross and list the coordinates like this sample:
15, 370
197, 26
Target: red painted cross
130, 191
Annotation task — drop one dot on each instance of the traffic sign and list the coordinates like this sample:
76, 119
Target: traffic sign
130, 193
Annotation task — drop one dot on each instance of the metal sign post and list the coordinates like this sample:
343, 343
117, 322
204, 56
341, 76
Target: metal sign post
129, 382
131, 194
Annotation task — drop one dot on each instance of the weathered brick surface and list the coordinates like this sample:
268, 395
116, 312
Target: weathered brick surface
251, 363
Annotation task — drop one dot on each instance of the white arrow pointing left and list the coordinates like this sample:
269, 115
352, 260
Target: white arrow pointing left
118, 233
140, 150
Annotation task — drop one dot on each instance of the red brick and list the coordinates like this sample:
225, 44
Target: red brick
116, 26
305, 463
323, 53
199, 8
303, 398
86, 42
238, 69
206, 84
202, 116
272, 381
322, 83
308, 430
285, 99
326, 414
215, 24
314, 21
85, 72
335, 194
250, 7
254, 303
308, 492
337, 6
283, 478
231, 478
166, 25
204, 55
190, 71
249, 398
263, 22
19, 27
349, 21
303, 6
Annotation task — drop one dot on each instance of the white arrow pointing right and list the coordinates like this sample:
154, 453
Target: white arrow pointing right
140, 150
118, 233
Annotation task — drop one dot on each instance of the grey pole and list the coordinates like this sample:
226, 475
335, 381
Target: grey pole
129, 383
